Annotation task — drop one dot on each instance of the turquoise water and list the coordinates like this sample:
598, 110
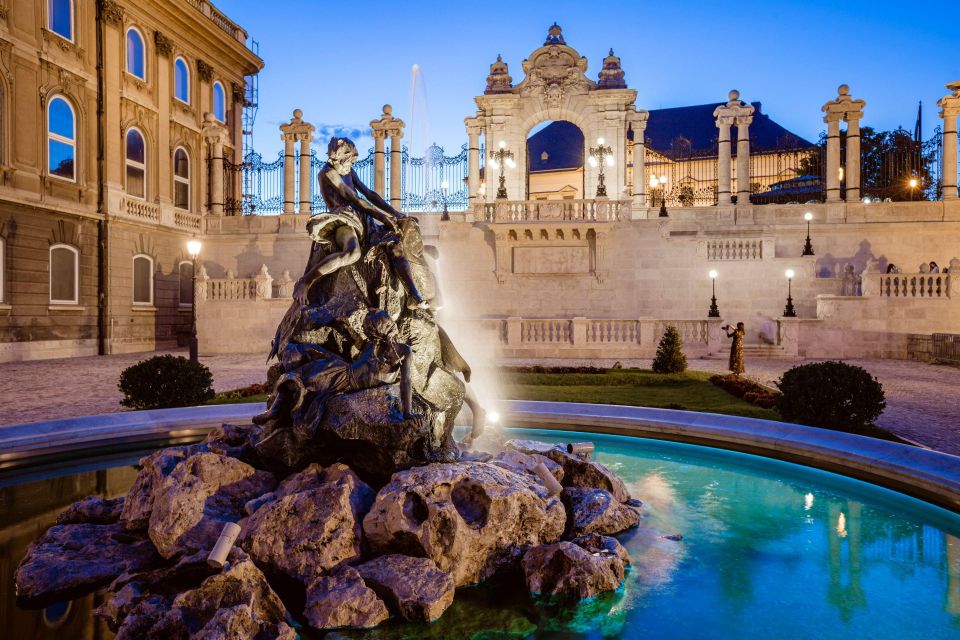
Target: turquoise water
769, 550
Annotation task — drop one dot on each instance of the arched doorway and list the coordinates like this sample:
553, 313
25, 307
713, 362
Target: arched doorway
555, 156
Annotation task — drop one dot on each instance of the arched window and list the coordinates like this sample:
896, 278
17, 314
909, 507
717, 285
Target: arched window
219, 102
181, 179
64, 274
136, 63
185, 270
60, 18
181, 80
142, 279
61, 139
136, 164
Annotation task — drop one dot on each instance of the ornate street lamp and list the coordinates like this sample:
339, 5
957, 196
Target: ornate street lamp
808, 247
599, 156
443, 190
498, 158
913, 188
663, 197
714, 310
789, 311
193, 248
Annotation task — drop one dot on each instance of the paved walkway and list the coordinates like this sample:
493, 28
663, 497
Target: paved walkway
923, 403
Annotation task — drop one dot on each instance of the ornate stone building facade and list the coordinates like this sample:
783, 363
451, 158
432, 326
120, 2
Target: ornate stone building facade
103, 167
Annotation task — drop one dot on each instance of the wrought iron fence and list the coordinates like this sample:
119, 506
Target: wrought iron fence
253, 186
687, 180
783, 176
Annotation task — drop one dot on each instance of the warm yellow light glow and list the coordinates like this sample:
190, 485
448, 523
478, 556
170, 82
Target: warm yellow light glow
713, 273
503, 144
913, 183
593, 161
808, 216
493, 417
600, 141
511, 163
653, 182
193, 248
789, 273
840, 173
663, 179
842, 525
609, 161
494, 163
867, 201
808, 502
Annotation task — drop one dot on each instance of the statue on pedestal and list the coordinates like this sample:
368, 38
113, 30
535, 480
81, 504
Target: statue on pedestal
368, 375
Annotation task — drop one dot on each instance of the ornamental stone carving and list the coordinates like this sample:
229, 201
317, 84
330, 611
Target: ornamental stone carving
204, 70
612, 75
111, 11
499, 80
163, 44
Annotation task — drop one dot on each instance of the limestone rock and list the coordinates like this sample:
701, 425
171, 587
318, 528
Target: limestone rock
154, 468
604, 545
200, 495
567, 569
413, 587
237, 604
73, 560
525, 462
313, 526
92, 510
577, 472
470, 518
235, 440
341, 599
596, 511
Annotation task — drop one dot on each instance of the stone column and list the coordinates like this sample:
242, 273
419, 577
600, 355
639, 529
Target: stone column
949, 110
305, 174
215, 135
638, 123
852, 172
743, 159
473, 161
379, 162
396, 167
723, 161
833, 157
289, 160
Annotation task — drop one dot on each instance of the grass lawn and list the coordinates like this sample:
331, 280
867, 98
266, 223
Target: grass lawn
691, 391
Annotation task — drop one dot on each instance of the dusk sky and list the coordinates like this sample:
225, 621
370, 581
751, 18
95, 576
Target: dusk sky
340, 62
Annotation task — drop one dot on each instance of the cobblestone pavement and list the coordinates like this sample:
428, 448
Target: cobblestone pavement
922, 401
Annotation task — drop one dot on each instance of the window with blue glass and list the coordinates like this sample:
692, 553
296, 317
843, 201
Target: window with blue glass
136, 164
60, 17
181, 80
136, 62
219, 102
61, 139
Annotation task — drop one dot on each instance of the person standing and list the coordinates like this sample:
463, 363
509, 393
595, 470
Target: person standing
736, 348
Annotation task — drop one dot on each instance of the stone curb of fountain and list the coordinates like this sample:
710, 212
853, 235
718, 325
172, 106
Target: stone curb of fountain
930, 475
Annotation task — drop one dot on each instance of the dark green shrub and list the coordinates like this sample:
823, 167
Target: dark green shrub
670, 358
835, 395
746, 389
165, 381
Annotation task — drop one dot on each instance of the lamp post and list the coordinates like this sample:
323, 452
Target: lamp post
808, 247
663, 196
502, 156
714, 310
599, 156
789, 311
193, 248
443, 190
913, 188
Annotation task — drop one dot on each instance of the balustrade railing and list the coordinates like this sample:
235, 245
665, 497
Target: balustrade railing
186, 220
546, 331
141, 210
231, 289
914, 285
691, 331
735, 249
601, 210
613, 331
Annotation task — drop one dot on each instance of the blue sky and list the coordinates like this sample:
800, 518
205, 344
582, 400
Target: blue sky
340, 62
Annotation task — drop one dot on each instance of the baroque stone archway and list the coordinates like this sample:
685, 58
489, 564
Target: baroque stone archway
554, 87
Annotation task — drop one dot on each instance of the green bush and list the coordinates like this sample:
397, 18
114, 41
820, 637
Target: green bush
165, 381
835, 395
670, 358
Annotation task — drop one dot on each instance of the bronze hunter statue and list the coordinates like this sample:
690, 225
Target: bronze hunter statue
736, 348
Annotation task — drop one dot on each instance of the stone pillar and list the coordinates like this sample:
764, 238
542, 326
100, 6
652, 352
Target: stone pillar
743, 159
579, 332
833, 157
379, 162
723, 161
292, 132
473, 161
846, 108
215, 134
387, 125
514, 327
305, 178
638, 123
396, 167
949, 110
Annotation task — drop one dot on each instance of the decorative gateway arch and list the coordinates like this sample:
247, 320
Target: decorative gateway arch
555, 87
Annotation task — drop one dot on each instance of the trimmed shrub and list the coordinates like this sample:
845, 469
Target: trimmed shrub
165, 381
748, 390
835, 395
670, 358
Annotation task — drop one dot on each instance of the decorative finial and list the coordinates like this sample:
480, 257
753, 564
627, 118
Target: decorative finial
555, 35
733, 95
843, 90
297, 114
611, 75
611, 52
499, 80
387, 110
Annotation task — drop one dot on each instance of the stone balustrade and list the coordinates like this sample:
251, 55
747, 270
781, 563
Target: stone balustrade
233, 289
186, 220
225, 24
735, 249
914, 285
599, 210
141, 210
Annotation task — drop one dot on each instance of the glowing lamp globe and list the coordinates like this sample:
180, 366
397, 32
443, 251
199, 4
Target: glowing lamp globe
789, 273
193, 248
